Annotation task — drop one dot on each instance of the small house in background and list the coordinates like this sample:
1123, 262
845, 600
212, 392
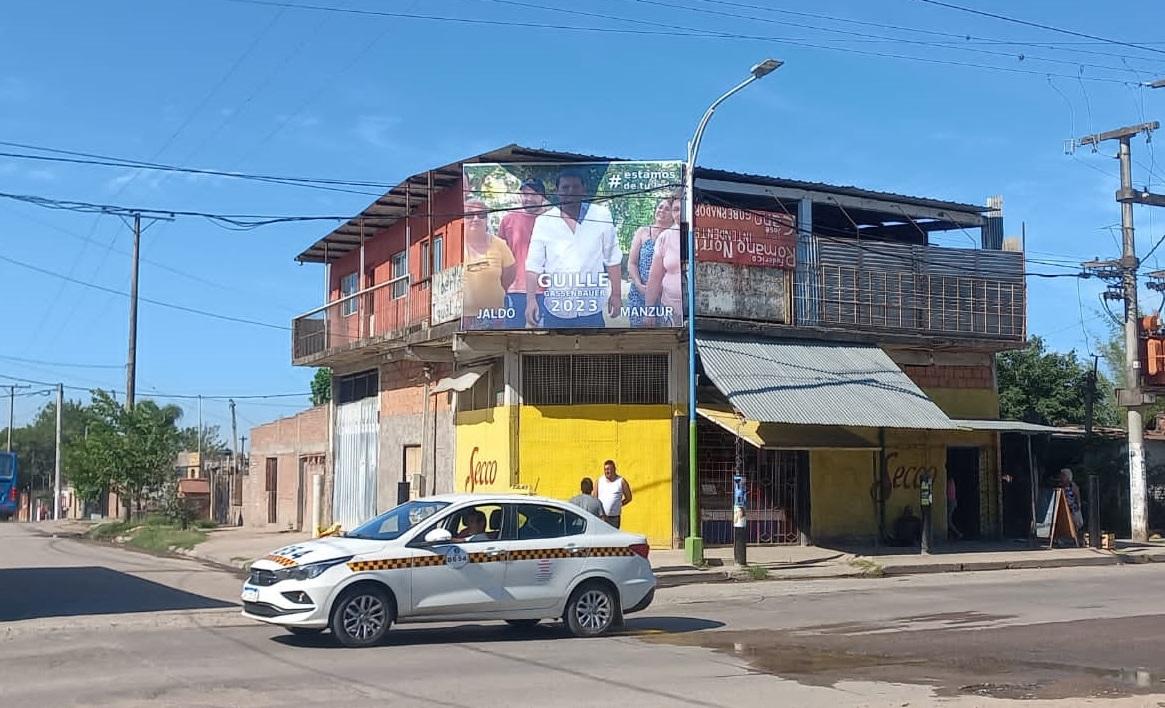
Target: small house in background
285, 455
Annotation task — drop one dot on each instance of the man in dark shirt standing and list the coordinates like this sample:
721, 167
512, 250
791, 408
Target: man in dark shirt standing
515, 230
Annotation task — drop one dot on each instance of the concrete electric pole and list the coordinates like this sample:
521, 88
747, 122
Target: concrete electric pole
131, 361
1132, 397
57, 467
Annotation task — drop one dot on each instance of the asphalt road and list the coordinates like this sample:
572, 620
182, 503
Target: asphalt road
82, 624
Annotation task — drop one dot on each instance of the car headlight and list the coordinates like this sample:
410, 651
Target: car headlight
309, 571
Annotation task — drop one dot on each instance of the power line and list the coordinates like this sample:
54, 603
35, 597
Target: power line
176, 396
1037, 25
61, 363
156, 264
88, 158
692, 32
963, 37
862, 36
160, 303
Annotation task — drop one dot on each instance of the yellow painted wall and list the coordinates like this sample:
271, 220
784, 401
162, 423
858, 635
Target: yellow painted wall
839, 488
982, 403
559, 445
842, 483
485, 459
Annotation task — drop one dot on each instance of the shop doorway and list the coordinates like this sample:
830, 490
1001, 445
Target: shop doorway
776, 483
963, 470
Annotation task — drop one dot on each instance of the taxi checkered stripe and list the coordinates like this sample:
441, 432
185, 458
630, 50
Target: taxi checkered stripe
281, 560
523, 554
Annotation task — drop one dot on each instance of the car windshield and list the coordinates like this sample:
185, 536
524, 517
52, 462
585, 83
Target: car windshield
390, 525
7, 465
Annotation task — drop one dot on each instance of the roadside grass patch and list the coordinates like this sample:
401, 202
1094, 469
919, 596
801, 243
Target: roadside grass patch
110, 530
869, 568
160, 539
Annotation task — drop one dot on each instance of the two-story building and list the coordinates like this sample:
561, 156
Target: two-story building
841, 354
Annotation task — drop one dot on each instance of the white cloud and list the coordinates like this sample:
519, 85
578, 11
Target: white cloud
376, 130
42, 175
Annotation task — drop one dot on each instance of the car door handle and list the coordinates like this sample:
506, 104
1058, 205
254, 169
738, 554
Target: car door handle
495, 552
575, 550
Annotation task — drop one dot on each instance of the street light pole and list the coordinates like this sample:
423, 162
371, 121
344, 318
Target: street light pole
693, 544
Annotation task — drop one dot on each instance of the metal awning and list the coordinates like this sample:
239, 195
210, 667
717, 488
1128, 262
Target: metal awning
817, 383
776, 436
459, 382
1016, 426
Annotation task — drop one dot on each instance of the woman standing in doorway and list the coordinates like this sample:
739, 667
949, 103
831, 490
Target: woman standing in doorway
952, 504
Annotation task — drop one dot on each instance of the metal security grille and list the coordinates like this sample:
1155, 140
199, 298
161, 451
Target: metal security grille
577, 379
771, 478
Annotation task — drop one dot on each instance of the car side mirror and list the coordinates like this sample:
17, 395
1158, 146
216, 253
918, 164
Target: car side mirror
438, 535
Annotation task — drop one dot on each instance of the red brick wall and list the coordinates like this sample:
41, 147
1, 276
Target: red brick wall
402, 387
951, 376
288, 440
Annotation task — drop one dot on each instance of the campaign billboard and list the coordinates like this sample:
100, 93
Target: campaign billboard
573, 245
748, 237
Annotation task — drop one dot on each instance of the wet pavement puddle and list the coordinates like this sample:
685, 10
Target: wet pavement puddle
950, 670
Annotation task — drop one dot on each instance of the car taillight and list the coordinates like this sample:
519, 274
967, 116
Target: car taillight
640, 549
13, 495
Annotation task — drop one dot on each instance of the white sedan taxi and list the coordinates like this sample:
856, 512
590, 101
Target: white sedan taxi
460, 557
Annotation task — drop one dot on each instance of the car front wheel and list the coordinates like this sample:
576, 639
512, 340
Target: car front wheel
362, 616
592, 610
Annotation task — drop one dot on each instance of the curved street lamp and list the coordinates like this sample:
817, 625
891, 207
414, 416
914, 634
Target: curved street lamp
693, 544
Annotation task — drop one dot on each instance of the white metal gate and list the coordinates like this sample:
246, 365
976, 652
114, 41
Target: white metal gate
354, 497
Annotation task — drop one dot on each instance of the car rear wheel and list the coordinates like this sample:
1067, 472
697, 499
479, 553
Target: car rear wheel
592, 610
362, 616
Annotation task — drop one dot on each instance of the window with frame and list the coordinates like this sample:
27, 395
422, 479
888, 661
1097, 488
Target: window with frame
536, 521
438, 254
400, 275
426, 259
489, 391
462, 526
349, 285
356, 387
576, 379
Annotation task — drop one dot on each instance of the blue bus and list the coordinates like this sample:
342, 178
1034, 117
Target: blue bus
9, 494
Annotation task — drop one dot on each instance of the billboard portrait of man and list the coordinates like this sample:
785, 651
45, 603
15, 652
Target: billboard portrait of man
516, 229
574, 260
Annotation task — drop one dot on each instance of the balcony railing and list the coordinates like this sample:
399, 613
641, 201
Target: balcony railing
379, 312
909, 302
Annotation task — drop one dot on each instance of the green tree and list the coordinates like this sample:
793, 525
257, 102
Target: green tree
213, 444
1050, 388
129, 452
321, 387
35, 444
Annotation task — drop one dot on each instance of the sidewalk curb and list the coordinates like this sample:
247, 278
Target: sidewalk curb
727, 574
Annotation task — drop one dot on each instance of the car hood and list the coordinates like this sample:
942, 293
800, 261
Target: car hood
317, 550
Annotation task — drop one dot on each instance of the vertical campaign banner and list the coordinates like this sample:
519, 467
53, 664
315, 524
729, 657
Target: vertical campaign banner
577, 245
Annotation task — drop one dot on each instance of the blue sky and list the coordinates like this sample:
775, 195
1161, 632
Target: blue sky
267, 89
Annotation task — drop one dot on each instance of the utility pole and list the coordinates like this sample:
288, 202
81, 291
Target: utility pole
131, 362
57, 468
234, 455
201, 467
1133, 397
12, 411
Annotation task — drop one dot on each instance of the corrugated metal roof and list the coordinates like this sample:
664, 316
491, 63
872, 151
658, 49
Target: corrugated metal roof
402, 199
817, 383
1016, 426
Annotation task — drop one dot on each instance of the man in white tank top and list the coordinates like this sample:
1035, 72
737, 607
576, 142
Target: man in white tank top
613, 493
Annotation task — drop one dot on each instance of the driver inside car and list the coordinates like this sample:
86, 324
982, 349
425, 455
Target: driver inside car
474, 530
